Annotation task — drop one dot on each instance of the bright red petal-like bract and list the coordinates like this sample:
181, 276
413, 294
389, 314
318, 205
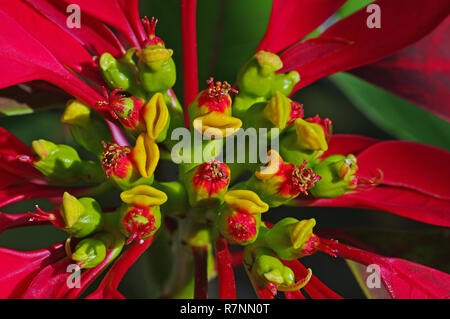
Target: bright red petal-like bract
420, 73
403, 279
415, 182
371, 44
17, 269
291, 20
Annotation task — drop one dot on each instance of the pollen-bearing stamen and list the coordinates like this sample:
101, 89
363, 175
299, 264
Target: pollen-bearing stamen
219, 89
298, 179
114, 159
112, 103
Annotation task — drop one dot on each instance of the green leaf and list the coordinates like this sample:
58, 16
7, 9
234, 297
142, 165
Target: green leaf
393, 114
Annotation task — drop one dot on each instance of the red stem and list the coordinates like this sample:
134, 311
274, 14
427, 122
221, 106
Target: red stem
8, 221
227, 286
200, 254
237, 258
189, 40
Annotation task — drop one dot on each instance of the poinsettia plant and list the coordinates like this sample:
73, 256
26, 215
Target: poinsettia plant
124, 185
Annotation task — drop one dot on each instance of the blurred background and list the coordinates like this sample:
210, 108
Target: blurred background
228, 33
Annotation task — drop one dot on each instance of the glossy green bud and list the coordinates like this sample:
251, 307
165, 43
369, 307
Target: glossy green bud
88, 128
90, 252
156, 68
61, 163
290, 238
82, 216
119, 74
338, 176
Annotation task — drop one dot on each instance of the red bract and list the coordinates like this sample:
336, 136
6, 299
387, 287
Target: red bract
419, 73
411, 185
367, 45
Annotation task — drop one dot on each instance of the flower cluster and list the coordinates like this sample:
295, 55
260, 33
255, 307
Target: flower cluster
212, 204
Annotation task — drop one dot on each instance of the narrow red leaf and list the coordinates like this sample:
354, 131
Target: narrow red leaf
403, 279
17, 269
291, 20
227, 286
372, 44
410, 165
189, 40
419, 73
7, 179
108, 287
131, 10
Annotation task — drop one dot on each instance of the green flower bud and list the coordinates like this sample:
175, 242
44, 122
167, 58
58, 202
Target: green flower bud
89, 252
156, 68
88, 128
338, 176
291, 238
119, 74
82, 216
